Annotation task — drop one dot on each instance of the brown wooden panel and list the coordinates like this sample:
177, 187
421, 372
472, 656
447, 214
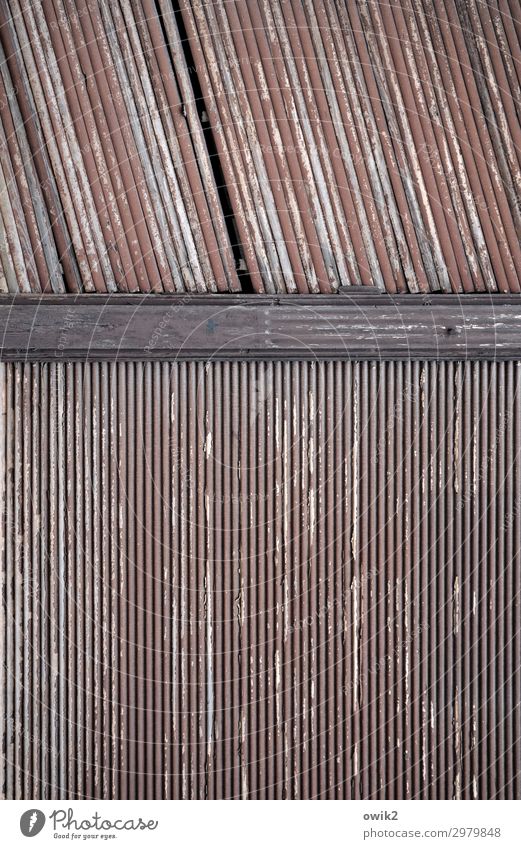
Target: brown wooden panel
262, 580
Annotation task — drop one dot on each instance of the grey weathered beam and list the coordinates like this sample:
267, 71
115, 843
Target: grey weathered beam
358, 326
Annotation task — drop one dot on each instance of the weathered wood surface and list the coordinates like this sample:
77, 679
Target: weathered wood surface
361, 326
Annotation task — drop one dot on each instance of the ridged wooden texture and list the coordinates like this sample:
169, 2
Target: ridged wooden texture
367, 142
260, 580
360, 143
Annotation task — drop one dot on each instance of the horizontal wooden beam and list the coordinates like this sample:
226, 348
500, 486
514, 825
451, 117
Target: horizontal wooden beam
357, 326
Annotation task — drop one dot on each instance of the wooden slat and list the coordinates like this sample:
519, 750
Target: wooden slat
361, 326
